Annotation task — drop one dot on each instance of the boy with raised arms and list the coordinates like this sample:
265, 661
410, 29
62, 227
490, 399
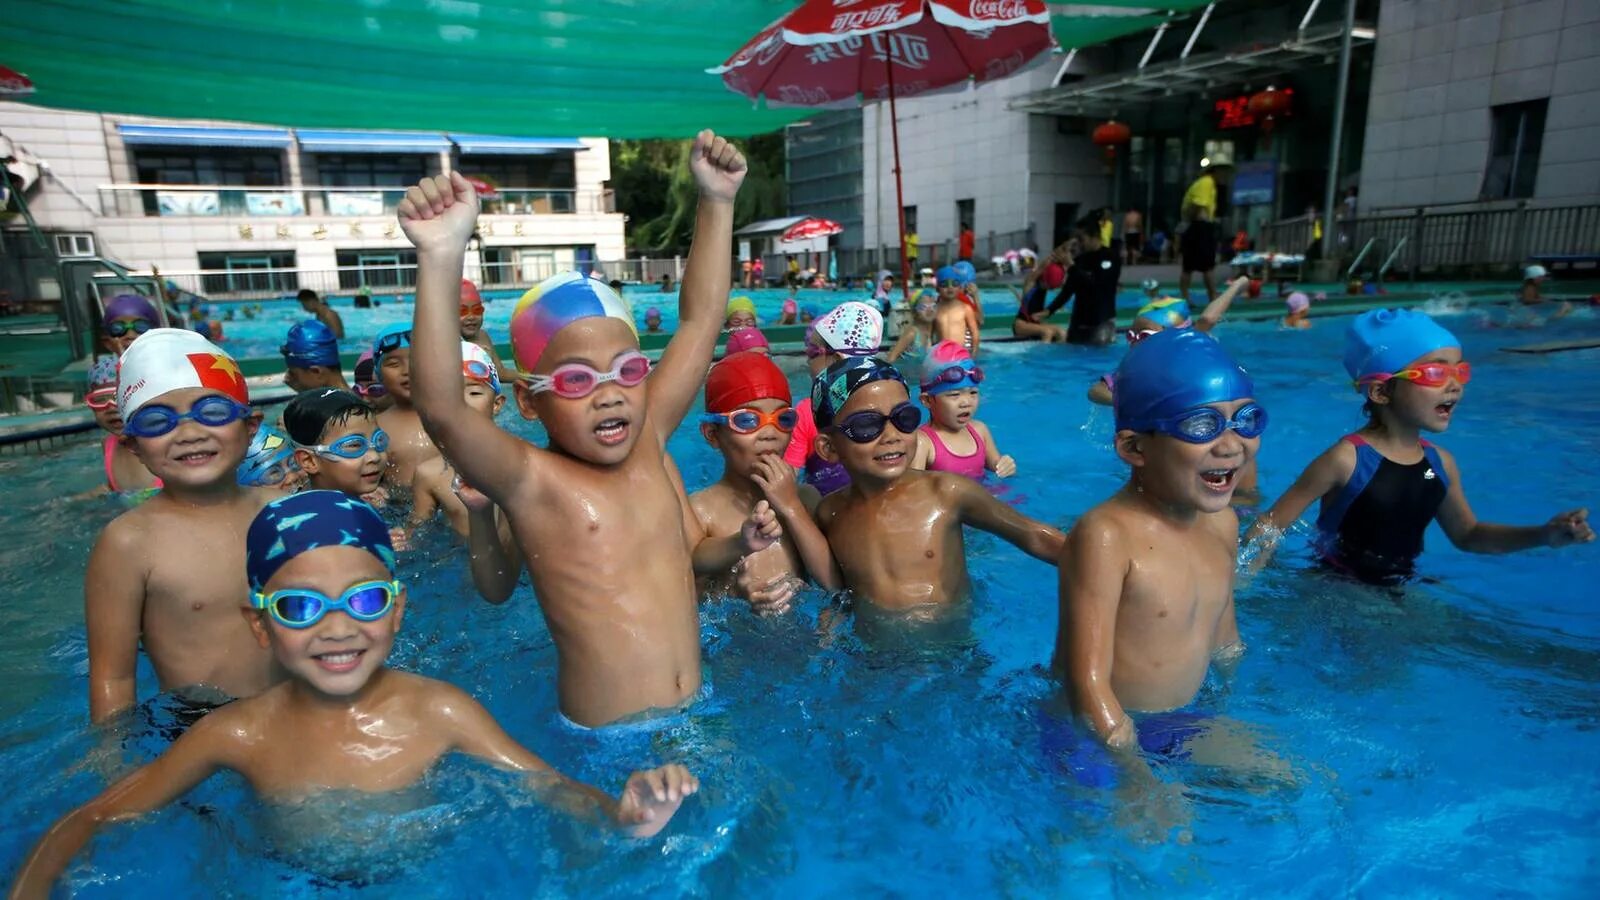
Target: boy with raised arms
1147, 576
409, 443
601, 515
184, 409
895, 532
323, 601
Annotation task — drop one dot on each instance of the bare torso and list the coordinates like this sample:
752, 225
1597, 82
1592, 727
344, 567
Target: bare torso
950, 324
409, 444
723, 512
900, 549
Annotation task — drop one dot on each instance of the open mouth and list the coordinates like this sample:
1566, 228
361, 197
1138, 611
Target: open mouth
1444, 409
370, 479
1219, 480
611, 432
341, 661
197, 457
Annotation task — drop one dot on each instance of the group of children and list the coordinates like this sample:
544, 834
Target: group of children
297, 618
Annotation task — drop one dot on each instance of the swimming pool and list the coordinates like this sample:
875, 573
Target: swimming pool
1442, 739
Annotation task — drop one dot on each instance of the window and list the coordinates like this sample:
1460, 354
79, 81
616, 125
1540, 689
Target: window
74, 245
1516, 134
371, 170
270, 272
911, 219
536, 265
965, 210
207, 165
377, 268
552, 171
498, 266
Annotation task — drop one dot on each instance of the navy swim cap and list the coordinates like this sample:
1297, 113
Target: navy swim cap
290, 526
310, 343
836, 383
1171, 372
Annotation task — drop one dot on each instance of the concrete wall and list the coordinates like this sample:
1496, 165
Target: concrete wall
1440, 66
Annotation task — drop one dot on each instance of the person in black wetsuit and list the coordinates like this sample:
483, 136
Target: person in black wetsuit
1092, 281
1381, 486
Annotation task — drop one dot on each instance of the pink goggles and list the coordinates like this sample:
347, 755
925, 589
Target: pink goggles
575, 381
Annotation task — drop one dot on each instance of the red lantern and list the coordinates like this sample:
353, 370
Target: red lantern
1267, 105
1110, 135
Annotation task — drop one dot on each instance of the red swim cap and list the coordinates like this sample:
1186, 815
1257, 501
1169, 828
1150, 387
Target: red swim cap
743, 378
469, 292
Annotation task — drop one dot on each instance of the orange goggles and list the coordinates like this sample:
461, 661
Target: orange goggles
1431, 375
473, 309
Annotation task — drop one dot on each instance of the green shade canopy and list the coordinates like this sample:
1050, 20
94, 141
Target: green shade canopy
610, 68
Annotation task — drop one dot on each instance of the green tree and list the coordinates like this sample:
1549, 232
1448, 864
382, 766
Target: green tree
654, 188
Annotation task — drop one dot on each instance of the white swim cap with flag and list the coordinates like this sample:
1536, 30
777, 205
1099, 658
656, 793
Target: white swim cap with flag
171, 359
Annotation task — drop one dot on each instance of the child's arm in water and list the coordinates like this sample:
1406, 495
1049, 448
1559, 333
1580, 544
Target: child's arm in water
973, 328
1327, 473
981, 510
1100, 393
718, 169
648, 800
1216, 309
190, 760
776, 481
1473, 536
1094, 564
901, 343
494, 558
438, 215
113, 610
993, 460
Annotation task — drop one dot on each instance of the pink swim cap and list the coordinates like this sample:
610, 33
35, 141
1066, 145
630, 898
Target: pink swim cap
746, 339
790, 306
1298, 302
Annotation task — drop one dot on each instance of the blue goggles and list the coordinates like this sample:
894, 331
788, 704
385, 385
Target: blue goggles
354, 446
368, 601
271, 475
212, 411
1205, 424
391, 341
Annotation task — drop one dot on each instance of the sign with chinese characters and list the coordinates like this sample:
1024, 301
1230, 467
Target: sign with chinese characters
1234, 112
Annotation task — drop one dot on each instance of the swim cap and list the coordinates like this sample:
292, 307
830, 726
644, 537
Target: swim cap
853, 329
471, 352
740, 304
401, 330
170, 359
269, 448
810, 309
967, 272
1170, 312
1298, 302
789, 306
289, 526
746, 339
310, 412
924, 298
363, 291
1150, 285
103, 372
948, 273
310, 343
130, 306
1171, 372
1533, 272
469, 292
653, 312
1385, 341
366, 370
944, 355
555, 303
741, 379
835, 384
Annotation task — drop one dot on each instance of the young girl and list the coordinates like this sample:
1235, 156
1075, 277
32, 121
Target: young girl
953, 441
741, 314
851, 329
1299, 310
126, 475
914, 341
1381, 486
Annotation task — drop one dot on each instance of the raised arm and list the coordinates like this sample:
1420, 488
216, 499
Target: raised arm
1216, 309
113, 608
1469, 534
1327, 472
438, 214
718, 169
1093, 566
981, 510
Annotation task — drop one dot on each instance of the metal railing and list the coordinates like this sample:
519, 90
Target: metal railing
210, 201
863, 262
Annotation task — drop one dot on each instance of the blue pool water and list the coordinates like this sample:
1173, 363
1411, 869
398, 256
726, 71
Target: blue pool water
1441, 739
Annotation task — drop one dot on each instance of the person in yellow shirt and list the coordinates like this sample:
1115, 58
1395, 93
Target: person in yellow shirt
1199, 245
1314, 249
912, 243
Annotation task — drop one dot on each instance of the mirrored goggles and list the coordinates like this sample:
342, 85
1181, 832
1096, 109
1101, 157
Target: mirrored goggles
304, 607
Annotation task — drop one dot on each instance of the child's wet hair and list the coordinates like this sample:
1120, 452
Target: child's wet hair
311, 413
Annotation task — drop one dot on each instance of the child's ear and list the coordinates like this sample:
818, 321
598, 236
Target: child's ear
709, 432
823, 445
257, 620
499, 404
525, 402
307, 461
1130, 447
253, 423
1379, 393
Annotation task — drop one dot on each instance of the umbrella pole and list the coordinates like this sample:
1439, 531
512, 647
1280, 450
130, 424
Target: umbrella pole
899, 194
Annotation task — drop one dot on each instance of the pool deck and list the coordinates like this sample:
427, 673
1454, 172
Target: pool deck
31, 432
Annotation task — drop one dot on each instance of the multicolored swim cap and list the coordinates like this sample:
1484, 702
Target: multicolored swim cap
469, 292
944, 355
130, 306
834, 385
269, 448
741, 379
1386, 341
746, 339
555, 303
396, 336
948, 273
1170, 312
103, 372
1150, 285
1298, 302
740, 304
310, 343
967, 272
852, 329
289, 526
472, 353
1171, 372
170, 359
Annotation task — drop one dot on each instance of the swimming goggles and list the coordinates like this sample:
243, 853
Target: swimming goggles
101, 397
1430, 375
354, 446
121, 327
750, 421
951, 282
1135, 335
575, 381
478, 370
274, 474
1205, 424
371, 391
368, 601
955, 375
392, 342
865, 427
474, 309
212, 411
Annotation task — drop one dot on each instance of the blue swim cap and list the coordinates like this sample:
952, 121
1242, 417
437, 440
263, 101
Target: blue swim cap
836, 383
948, 273
310, 343
1385, 341
290, 526
394, 336
270, 448
1171, 372
1171, 312
966, 271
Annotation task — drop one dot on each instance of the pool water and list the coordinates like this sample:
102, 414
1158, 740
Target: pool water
1439, 740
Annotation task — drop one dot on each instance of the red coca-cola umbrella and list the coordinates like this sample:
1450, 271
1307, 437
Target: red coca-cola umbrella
486, 191
14, 83
805, 229
843, 52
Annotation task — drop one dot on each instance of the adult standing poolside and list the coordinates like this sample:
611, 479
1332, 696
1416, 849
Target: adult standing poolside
1199, 247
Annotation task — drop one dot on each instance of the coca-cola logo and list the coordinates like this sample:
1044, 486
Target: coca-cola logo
998, 9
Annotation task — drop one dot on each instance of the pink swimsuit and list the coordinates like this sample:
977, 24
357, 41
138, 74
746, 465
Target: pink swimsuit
109, 451
945, 461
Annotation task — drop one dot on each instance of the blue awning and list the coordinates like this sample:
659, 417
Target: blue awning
371, 141
202, 136
514, 146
